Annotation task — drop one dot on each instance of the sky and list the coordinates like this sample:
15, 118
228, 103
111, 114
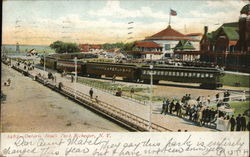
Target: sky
41, 22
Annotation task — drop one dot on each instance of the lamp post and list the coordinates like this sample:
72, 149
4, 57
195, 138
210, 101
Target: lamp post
44, 68
10, 62
75, 76
151, 94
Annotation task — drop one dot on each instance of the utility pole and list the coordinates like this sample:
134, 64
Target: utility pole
151, 94
75, 76
44, 68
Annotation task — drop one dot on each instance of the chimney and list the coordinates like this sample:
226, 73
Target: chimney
205, 29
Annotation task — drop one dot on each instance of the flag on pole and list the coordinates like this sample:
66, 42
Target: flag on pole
173, 12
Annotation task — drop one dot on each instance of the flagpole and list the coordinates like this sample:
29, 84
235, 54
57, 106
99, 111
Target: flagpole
169, 19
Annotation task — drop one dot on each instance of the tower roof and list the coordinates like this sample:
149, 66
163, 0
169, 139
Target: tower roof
169, 34
230, 30
231, 33
184, 45
245, 9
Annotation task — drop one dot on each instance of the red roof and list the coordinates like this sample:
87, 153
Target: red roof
84, 47
194, 34
83, 44
169, 34
146, 44
145, 52
96, 46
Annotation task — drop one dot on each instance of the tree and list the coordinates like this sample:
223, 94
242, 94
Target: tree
108, 46
63, 47
129, 46
123, 46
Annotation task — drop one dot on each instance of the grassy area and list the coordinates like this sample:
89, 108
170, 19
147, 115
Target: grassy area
141, 94
111, 86
240, 107
106, 60
231, 79
23, 60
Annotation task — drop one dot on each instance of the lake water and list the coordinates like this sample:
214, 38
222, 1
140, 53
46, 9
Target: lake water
25, 48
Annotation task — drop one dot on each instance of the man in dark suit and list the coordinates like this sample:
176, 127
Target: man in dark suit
167, 104
178, 108
238, 122
243, 123
171, 106
91, 93
163, 107
232, 122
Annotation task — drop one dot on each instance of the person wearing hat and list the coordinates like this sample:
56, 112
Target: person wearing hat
238, 122
243, 123
232, 123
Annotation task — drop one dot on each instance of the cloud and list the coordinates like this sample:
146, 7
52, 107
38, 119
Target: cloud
106, 28
114, 10
218, 12
237, 4
75, 28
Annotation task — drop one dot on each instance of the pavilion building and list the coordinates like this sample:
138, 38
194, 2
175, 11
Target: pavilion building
162, 44
145, 50
169, 38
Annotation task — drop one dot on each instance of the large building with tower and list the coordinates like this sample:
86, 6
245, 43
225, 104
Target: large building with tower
229, 45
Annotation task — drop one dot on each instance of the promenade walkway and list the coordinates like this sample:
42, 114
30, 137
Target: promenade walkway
171, 122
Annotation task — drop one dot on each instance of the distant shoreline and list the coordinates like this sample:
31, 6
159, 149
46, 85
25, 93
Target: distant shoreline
22, 45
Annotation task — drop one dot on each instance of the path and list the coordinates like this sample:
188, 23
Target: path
168, 121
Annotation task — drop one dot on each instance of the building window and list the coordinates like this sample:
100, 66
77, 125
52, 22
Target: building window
167, 55
167, 46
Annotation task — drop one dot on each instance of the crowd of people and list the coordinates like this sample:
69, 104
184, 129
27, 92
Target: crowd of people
240, 123
27, 65
196, 112
199, 112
